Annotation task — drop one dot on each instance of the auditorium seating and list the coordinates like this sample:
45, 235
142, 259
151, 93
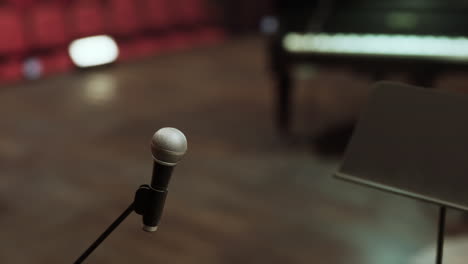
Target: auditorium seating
47, 26
48, 35
86, 18
156, 14
11, 70
191, 12
13, 44
123, 17
36, 34
12, 27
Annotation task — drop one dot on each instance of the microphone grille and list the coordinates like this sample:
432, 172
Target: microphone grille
168, 146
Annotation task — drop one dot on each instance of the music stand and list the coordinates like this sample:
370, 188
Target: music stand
413, 142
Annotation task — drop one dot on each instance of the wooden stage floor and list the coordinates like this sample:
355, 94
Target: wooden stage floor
74, 148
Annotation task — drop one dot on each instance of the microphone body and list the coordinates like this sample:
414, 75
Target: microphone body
153, 213
156, 196
161, 175
168, 146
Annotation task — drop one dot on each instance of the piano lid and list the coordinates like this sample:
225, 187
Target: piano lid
414, 17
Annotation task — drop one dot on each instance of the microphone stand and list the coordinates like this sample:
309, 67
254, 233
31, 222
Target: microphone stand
440, 235
105, 234
142, 205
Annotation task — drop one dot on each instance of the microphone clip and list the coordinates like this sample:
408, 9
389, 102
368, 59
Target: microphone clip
149, 203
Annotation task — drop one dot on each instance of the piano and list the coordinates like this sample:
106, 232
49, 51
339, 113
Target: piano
419, 37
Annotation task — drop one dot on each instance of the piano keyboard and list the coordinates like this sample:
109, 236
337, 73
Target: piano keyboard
414, 46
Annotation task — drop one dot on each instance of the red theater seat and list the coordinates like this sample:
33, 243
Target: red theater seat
12, 40
208, 36
191, 12
177, 41
124, 17
139, 48
55, 63
157, 14
22, 4
87, 19
48, 26
11, 70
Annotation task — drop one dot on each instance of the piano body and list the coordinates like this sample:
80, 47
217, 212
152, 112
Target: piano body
418, 37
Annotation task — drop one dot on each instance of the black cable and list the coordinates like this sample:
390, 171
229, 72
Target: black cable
440, 235
105, 234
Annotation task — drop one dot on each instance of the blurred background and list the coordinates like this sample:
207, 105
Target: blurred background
267, 93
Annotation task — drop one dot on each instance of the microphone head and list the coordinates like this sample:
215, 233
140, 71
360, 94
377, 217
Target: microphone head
168, 146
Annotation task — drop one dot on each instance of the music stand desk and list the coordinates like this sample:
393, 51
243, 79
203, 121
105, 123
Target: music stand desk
413, 142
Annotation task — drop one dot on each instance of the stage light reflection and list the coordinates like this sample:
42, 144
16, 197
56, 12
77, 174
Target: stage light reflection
93, 51
434, 47
100, 89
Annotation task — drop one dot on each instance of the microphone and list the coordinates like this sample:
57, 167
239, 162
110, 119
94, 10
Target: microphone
168, 146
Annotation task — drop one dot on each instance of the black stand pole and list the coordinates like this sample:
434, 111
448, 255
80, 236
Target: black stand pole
440, 235
105, 234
